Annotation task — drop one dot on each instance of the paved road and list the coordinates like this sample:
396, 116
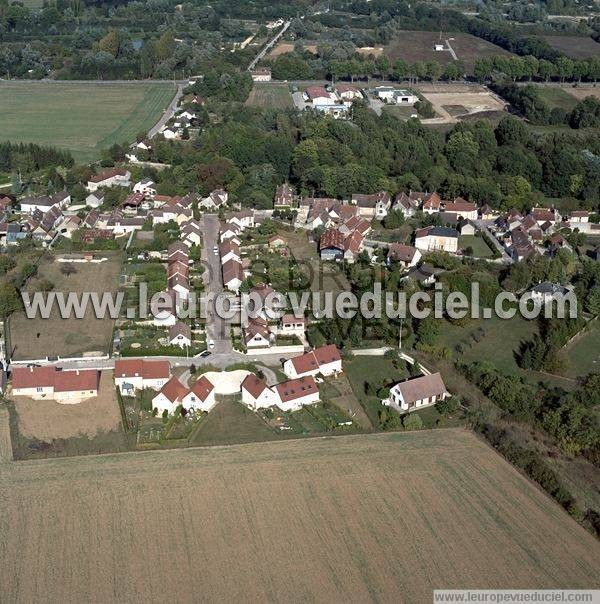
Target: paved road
481, 224
168, 114
217, 329
269, 45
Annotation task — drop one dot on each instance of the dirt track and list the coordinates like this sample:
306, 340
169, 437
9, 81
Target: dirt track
356, 519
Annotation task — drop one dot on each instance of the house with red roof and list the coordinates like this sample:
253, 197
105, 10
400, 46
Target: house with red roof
290, 395
138, 374
50, 382
201, 396
325, 360
256, 394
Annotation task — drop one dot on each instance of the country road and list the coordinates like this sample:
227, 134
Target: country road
269, 45
168, 114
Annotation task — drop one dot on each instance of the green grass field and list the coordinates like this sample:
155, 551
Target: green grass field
558, 97
82, 118
583, 354
480, 248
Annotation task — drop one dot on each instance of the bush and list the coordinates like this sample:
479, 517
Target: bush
412, 421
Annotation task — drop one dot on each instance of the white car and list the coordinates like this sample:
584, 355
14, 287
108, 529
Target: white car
211, 344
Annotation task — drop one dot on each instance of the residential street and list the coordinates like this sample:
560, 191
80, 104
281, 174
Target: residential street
217, 329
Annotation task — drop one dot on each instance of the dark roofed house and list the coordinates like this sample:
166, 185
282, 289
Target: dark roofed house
405, 255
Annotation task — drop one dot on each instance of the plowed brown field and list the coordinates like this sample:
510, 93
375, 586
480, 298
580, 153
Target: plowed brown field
353, 519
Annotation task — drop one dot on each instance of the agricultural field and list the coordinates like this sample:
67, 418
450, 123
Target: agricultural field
575, 47
270, 96
81, 118
413, 46
451, 514
72, 336
285, 47
451, 105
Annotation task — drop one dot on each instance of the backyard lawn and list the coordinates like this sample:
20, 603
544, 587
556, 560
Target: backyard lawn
480, 248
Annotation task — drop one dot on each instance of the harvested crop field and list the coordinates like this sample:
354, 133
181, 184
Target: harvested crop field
576, 47
365, 518
71, 337
285, 47
48, 420
451, 105
415, 46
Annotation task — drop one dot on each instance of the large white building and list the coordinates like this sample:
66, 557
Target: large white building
437, 239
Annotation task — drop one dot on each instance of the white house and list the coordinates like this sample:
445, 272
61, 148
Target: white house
418, 392
461, 209
261, 75
296, 393
180, 335
319, 96
373, 206
257, 395
389, 94
215, 200
191, 233
201, 395
169, 397
49, 382
94, 200
290, 325
165, 312
546, 292
257, 333
109, 178
233, 275
244, 219
229, 251
146, 187
137, 374
325, 360
44, 203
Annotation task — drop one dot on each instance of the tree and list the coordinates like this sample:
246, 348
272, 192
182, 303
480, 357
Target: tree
412, 421
394, 219
9, 300
448, 406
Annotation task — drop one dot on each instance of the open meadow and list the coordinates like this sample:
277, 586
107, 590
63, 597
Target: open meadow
362, 518
413, 46
38, 337
270, 96
80, 117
